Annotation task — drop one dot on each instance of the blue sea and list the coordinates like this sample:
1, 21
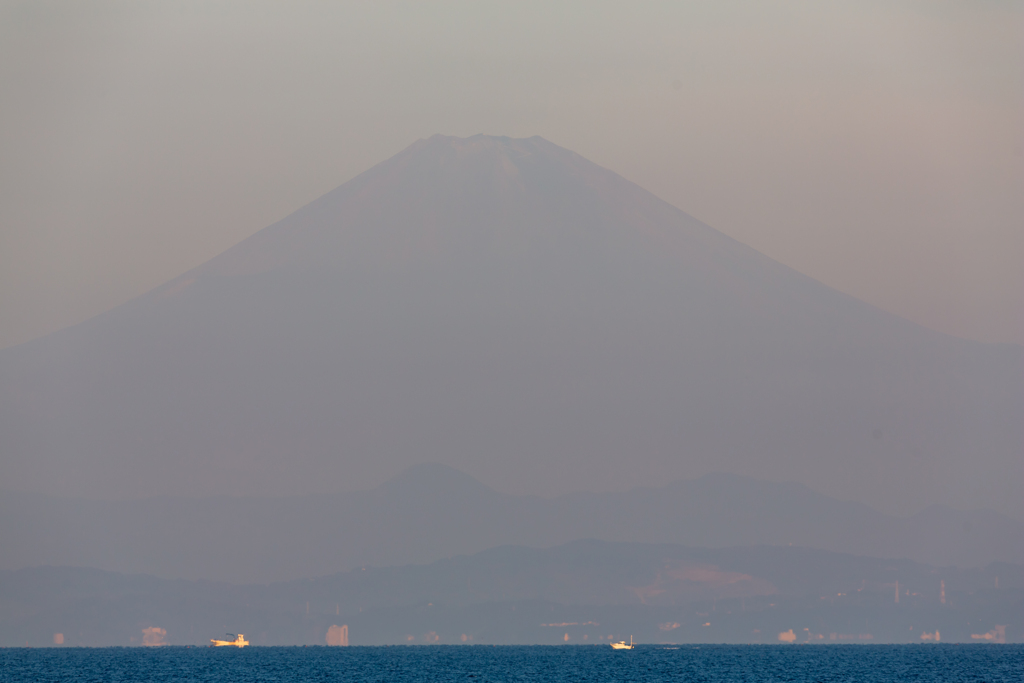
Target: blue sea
481, 663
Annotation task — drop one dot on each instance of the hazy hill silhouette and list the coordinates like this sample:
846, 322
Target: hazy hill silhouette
586, 589
432, 512
506, 307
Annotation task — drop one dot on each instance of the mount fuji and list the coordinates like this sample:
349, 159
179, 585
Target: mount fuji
508, 308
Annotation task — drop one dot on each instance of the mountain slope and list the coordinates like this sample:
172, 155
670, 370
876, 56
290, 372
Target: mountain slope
508, 308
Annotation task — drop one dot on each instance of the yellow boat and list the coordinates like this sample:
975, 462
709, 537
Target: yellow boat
239, 641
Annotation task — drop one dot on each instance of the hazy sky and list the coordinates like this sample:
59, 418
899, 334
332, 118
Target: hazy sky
876, 146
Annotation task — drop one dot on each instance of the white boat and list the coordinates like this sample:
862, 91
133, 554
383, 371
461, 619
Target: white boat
239, 641
621, 645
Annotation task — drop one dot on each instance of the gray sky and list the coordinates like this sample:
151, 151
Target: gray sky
876, 146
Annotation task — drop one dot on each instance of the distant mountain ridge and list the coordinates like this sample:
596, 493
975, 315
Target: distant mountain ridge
431, 512
508, 308
585, 592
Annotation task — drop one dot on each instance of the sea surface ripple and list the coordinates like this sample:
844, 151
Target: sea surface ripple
483, 663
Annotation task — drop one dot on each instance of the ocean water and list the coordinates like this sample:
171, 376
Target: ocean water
482, 663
